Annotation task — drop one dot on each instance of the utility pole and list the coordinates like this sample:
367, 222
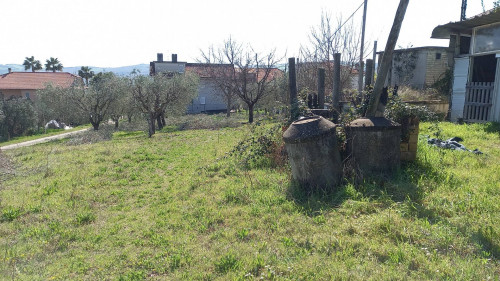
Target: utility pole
464, 9
387, 58
361, 60
374, 60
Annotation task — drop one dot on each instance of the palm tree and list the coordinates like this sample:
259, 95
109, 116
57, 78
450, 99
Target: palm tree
53, 64
86, 73
31, 63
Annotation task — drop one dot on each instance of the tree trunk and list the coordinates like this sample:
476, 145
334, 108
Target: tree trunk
159, 121
151, 124
116, 123
95, 125
163, 122
250, 113
228, 110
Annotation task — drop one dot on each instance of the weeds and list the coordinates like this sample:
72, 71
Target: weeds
163, 208
227, 263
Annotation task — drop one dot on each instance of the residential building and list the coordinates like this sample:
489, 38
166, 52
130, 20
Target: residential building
26, 84
475, 44
210, 99
418, 67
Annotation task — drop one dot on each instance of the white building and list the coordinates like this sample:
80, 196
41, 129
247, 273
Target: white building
476, 78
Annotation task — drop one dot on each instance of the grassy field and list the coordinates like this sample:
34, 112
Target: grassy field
179, 207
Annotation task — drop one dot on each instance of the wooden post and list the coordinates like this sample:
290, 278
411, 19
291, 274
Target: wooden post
387, 59
321, 88
292, 76
374, 60
369, 73
361, 59
336, 87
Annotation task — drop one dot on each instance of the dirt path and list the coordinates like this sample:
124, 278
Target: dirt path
41, 140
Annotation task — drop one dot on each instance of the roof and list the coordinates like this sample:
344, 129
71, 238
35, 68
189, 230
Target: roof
466, 26
211, 70
261, 72
35, 80
425, 48
207, 70
328, 65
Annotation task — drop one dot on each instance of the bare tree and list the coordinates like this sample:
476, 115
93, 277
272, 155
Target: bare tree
326, 39
220, 74
163, 93
251, 76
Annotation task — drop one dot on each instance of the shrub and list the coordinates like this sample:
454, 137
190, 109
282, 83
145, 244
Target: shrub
18, 117
263, 148
397, 110
10, 214
227, 263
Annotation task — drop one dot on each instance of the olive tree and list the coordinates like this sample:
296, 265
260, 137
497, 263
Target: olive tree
161, 94
54, 103
18, 116
124, 104
96, 101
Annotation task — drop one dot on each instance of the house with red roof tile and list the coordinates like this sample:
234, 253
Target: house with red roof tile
209, 99
26, 84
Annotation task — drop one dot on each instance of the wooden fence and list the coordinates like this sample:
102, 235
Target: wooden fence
478, 98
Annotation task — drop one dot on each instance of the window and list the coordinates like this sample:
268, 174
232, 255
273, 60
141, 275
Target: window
438, 56
487, 39
464, 45
27, 94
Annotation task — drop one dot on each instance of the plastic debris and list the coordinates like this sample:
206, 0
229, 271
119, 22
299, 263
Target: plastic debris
453, 144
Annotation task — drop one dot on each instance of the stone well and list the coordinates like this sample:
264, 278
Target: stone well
314, 156
374, 145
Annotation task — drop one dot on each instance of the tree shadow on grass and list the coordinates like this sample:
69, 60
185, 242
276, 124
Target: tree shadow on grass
492, 127
383, 190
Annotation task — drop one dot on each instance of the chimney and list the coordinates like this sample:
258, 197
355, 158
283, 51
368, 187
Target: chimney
159, 57
174, 57
10, 70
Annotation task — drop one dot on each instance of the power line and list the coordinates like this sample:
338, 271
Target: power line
352, 15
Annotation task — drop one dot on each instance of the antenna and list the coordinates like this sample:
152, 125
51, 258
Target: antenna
464, 9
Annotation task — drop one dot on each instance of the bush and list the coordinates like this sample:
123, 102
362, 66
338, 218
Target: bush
398, 110
18, 117
263, 148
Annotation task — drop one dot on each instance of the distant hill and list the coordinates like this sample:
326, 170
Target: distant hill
121, 71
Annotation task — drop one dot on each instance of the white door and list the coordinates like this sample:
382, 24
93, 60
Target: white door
460, 79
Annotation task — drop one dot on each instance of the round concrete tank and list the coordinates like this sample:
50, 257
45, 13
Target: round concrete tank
311, 144
373, 144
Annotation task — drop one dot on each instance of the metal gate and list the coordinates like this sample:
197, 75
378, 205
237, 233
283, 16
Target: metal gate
478, 101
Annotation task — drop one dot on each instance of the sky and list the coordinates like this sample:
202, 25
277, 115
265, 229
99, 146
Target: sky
112, 33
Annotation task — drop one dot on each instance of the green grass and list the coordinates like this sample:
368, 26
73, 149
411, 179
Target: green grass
42, 134
173, 207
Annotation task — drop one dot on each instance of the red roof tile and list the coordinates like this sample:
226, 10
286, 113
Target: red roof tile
205, 70
35, 80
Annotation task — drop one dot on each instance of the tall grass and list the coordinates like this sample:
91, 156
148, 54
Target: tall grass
177, 207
